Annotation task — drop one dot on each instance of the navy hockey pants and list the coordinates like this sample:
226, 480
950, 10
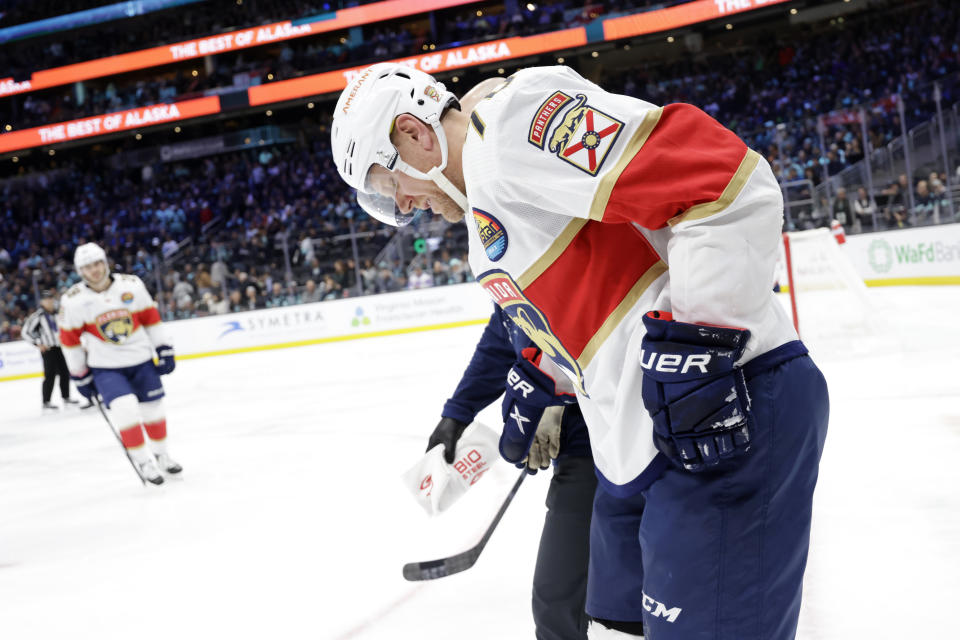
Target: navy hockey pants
140, 380
722, 554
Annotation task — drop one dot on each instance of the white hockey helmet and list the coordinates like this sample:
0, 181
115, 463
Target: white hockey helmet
88, 254
362, 123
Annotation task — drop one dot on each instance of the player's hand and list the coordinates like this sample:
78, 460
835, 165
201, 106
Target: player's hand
447, 433
546, 441
698, 400
529, 391
165, 361
85, 385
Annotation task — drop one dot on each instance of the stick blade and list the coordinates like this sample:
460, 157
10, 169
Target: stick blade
433, 569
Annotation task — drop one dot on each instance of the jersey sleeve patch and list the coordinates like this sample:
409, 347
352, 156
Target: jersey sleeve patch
544, 117
493, 234
585, 136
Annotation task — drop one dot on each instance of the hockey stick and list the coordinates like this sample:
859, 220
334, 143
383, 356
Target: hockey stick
116, 435
433, 569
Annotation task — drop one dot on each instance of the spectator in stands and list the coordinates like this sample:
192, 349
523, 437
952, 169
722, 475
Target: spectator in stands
459, 272
941, 197
277, 296
864, 209
441, 273
368, 274
842, 211
169, 246
235, 301
331, 288
203, 282
216, 304
8, 332
419, 279
306, 249
924, 205
183, 291
341, 276
310, 293
385, 279
894, 211
252, 298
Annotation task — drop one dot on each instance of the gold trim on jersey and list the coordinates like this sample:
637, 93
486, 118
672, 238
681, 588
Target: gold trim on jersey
602, 195
730, 193
617, 315
553, 252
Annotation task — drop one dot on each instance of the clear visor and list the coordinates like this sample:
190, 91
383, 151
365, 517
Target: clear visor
379, 198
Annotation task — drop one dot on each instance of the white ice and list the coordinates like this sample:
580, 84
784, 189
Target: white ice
290, 520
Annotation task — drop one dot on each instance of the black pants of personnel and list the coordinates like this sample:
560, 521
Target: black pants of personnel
560, 578
54, 364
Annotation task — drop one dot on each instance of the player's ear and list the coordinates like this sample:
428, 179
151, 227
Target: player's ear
409, 129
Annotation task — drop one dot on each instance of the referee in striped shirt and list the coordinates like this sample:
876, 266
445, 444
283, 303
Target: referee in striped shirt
40, 330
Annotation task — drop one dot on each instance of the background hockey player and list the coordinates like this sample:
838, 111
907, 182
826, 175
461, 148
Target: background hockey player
40, 330
560, 578
110, 329
636, 246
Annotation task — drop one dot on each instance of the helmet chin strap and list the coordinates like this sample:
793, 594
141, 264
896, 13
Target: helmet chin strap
436, 174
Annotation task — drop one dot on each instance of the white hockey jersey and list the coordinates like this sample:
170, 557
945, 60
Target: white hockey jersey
115, 328
589, 209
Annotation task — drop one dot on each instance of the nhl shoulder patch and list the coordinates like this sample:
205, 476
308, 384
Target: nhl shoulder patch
493, 235
585, 136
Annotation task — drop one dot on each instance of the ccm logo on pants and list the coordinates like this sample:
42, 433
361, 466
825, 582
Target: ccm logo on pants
659, 610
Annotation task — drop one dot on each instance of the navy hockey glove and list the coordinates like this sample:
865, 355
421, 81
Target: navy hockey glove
530, 390
447, 433
85, 385
698, 400
165, 362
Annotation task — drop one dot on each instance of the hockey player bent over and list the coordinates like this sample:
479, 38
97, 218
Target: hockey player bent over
110, 327
635, 245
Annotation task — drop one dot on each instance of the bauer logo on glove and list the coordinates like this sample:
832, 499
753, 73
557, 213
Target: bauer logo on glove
531, 431
692, 389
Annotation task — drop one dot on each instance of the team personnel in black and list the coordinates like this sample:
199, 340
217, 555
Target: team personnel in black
40, 330
560, 577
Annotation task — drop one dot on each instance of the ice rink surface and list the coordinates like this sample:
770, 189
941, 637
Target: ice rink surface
290, 520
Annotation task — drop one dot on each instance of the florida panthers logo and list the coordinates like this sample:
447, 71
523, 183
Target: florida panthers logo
115, 326
585, 136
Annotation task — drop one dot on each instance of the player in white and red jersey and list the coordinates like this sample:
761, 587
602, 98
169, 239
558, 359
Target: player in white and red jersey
110, 328
635, 245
